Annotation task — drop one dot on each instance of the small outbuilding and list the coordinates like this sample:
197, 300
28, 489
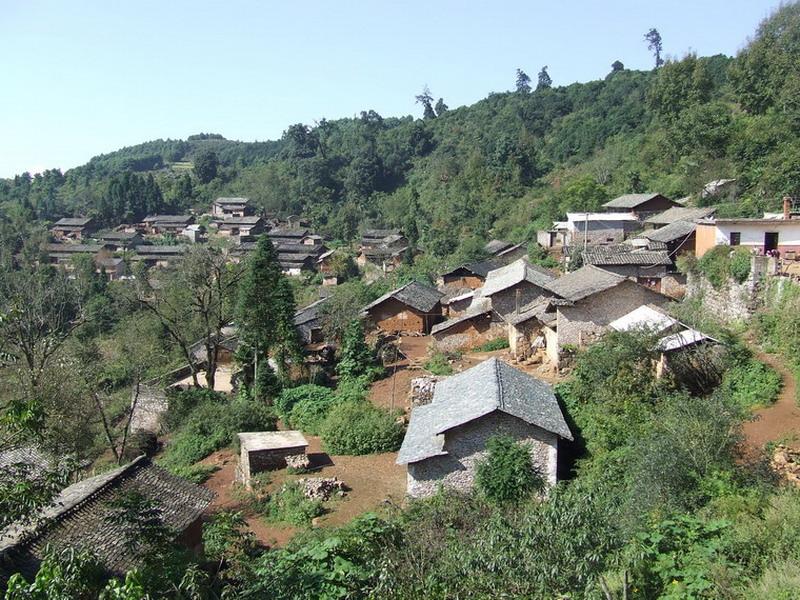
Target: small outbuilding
267, 450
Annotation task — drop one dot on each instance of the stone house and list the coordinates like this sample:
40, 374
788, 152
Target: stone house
456, 301
526, 328
641, 205
74, 228
645, 266
225, 208
471, 275
446, 439
82, 517
587, 301
591, 229
478, 325
515, 285
679, 213
413, 308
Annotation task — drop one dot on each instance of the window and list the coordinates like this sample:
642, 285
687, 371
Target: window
736, 238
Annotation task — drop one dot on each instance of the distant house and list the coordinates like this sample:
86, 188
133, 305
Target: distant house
288, 235
586, 301
471, 275
512, 286
590, 229
241, 226
63, 254
641, 205
679, 213
296, 257
412, 308
446, 439
166, 224
555, 237
526, 328
384, 257
372, 238
225, 208
112, 266
83, 517
779, 232
308, 323
647, 267
456, 301
502, 248
159, 256
475, 326
119, 240
75, 228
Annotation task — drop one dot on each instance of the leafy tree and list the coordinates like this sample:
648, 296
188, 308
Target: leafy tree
356, 358
206, 166
426, 100
654, 44
441, 107
507, 474
617, 66
523, 83
545, 82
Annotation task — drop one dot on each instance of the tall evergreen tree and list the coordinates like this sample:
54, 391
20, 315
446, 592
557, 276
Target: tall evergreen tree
653, 39
523, 82
426, 100
265, 307
545, 81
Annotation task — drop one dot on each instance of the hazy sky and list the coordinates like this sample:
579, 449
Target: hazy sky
80, 78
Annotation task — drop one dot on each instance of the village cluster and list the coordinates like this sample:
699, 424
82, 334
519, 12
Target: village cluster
626, 280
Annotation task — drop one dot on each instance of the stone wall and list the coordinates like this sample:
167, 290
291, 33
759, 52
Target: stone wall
735, 301
508, 301
466, 447
470, 333
256, 461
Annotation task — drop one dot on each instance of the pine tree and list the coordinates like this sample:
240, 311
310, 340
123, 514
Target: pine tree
545, 81
523, 82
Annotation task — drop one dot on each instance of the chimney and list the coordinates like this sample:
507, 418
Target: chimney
787, 206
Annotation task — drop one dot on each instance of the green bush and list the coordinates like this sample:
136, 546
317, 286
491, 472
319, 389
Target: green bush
740, 265
289, 397
507, 473
181, 403
722, 263
290, 505
360, 428
352, 390
750, 384
438, 364
309, 414
492, 345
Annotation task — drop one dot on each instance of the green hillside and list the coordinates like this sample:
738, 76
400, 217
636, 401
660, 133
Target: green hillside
500, 167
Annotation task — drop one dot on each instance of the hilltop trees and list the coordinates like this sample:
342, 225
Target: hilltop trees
426, 100
523, 83
206, 166
545, 82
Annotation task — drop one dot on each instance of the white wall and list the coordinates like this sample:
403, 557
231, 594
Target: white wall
753, 234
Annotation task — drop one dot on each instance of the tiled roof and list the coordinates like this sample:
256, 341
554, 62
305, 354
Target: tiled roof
673, 231
222, 201
624, 255
32, 457
479, 308
681, 213
287, 232
72, 222
584, 282
490, 386
380, 234
153, 250
497, 246
117, 235
179, 219
229, 221
518, 271
73, 248
81, 517
630, 200
414, 294
533, 310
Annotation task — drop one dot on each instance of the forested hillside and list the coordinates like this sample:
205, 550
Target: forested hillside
503, 165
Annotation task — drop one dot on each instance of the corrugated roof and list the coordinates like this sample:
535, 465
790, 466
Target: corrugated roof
673, 231
490, 386
414, 294
644, 317
682, 339
516, 272
630, 200
584, 282
681, 213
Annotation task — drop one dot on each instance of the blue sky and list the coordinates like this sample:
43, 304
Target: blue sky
85, 77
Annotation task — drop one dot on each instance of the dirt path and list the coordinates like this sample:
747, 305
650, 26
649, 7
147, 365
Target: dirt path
782, 419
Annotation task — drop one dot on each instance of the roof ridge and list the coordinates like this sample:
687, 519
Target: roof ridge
501, 401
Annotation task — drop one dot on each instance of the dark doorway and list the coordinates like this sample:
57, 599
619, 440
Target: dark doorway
770, 241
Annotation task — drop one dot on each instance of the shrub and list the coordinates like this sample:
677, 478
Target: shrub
356, 358
289, 397
181, 403
438, 364
507, 473
352, 390
360, 428
309, 414
492, 345
290, 505
722, 263
740, 265
750, 384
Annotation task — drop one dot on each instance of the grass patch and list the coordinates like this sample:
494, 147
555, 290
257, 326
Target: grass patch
500, 343
290, 505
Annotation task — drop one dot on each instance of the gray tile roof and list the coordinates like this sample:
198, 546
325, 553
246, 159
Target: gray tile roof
223, 201
414, 294
516, 272
307, 319
72, 222
624, 255
533, 310
179, 219
35, 459
673, 231
490, 386
73, 248
681, 213
497, 246
229, 221
630, 200
288, 232
479, 308
80, 517
584, 282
